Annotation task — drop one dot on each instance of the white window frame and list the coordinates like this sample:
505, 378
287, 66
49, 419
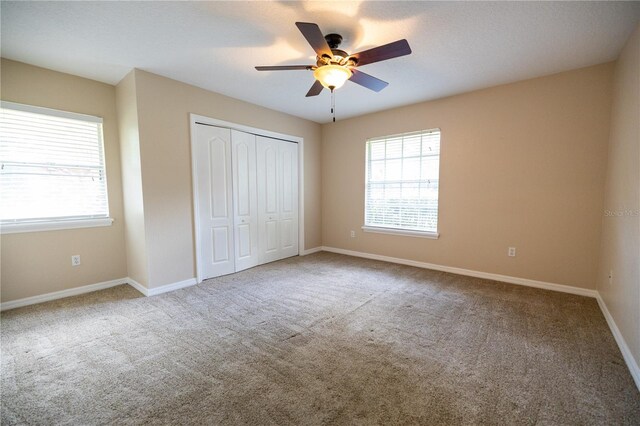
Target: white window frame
389, 230
59, 223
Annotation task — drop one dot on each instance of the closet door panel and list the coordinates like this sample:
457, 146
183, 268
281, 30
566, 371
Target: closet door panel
220, 241
218, 171
245, 203
286, 234
287, 177
271, 179
215, 217
268, 198
244, 242
242, 178
288, 164
271, 236
277, 198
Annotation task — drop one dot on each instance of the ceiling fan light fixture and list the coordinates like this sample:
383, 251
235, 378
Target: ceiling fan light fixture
332, 76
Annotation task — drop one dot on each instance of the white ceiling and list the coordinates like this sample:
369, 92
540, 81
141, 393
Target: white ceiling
457, 46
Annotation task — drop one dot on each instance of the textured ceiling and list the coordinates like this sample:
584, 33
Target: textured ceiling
457, 46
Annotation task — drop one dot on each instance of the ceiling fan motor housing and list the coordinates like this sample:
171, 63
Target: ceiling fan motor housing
340, 57
333, 40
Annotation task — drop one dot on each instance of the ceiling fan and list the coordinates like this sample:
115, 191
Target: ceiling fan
335, 66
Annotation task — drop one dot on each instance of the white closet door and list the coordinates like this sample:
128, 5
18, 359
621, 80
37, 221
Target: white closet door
288, 159
215, 211
268, 198
245, 200
277, 167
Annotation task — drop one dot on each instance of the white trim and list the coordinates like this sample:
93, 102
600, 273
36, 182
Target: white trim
135, 284
55, 225
311, 251
471, 273
243, 128
301, 196
195, 118
412, 133
49, 111
194, 186
95, 287
396, 231
61, 294
154, 291
622, 344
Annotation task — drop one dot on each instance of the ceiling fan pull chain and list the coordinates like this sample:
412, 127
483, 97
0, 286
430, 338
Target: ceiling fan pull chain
333, 104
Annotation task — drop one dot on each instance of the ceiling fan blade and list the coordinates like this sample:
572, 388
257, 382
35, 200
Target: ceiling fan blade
382, 53
315, 38
368, 81
315, 89
285, 67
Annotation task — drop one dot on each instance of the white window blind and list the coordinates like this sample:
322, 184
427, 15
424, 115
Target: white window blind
52, 165
402, 181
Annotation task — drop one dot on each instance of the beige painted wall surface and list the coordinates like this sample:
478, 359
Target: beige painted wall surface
621, 231
134, 226
163, 111
522, 165
40, 262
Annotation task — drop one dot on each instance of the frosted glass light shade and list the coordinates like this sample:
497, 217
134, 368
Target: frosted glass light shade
332, 76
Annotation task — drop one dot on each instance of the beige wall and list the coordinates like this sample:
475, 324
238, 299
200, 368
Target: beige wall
163, 112
134, 227
521, 165
621, 231
35, 263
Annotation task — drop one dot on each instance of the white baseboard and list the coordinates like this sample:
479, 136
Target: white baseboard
170, 287
162, 289
311, 251
622, 344
61, 294
135, 284
471, 273
95, 287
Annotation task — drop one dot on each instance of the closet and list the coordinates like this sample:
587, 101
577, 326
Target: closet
246, 199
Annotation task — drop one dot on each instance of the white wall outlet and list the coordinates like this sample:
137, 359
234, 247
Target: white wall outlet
75, 260
611, 277
353, 234
512, 251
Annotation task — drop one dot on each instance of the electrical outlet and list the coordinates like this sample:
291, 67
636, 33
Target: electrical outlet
353, 234
75, 260
611, 277
512, 252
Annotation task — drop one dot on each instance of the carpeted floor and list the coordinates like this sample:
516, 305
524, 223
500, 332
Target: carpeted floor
324, 339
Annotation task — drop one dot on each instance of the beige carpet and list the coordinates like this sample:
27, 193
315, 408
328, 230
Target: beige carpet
324, 339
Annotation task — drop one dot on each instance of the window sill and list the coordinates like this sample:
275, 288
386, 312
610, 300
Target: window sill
395, 231
16, 228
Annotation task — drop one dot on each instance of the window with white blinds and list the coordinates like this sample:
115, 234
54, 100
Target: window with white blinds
402, 182
52, 166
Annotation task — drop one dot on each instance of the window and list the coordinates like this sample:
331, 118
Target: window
52, 171
402, 184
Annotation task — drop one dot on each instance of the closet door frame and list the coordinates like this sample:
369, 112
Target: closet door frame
194, 120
